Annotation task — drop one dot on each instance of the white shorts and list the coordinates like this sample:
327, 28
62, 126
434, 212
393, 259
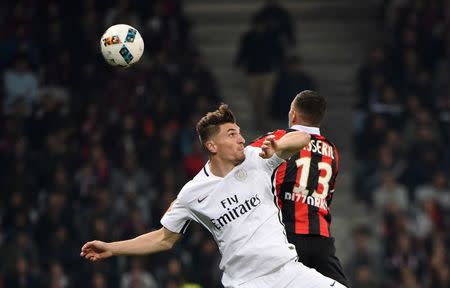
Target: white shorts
293, 275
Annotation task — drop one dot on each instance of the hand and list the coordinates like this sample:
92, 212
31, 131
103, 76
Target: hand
268, 147
95, 250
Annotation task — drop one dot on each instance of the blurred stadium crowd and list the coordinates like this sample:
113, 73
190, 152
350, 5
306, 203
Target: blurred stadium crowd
91, 152
402, 156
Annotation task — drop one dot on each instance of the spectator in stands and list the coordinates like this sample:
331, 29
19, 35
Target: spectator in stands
427, 218
19, 40
199, 73
194, 161
388, 105
20, 245
99, 280
21, 86
174, 271
444, 119
122, 12
439, 270
364, 278
137, 277
363, 264
57, 277
405, 262
437, 189
390, 193
279, 21
291, 79
166, 27
376, 65
260, 54
22, 276
132, 177
441, 85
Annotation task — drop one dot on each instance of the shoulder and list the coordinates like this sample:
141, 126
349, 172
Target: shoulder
186, 193
201, 176
251, 150
253, 160
190, 188
324, 139
252, 155
197, 186
332, 144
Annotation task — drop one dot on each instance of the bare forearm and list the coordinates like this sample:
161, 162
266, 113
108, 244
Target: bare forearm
149, 243
291, 143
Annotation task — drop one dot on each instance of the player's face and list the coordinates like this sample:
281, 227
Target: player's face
229, 143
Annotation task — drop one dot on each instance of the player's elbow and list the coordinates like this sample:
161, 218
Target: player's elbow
167, 244
167, 239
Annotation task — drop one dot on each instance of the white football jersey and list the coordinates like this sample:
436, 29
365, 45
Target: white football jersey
240, 212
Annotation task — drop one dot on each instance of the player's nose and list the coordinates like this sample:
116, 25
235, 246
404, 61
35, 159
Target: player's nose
241, 139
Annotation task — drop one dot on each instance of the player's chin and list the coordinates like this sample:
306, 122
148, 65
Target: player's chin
241, 156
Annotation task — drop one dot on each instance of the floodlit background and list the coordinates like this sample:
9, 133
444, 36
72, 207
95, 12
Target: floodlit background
90, 151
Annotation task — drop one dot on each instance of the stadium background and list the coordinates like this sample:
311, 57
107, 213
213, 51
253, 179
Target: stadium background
92, 152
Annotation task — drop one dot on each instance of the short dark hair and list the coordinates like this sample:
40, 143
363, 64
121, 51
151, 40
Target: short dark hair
311, 105
208, 126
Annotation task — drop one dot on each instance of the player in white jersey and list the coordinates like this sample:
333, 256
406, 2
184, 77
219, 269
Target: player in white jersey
232, 196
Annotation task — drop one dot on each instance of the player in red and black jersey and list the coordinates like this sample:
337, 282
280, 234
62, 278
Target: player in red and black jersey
304, 187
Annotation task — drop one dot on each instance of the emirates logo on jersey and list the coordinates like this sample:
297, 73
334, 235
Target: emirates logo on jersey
235, 210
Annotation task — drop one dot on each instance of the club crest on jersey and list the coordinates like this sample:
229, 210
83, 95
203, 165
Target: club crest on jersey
240, 174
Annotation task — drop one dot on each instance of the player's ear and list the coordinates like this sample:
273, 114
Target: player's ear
211, 147
295, 116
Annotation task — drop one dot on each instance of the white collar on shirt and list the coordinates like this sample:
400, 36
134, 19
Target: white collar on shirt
307, 129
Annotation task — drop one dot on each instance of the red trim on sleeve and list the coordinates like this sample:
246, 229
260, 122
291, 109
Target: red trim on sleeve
258, 142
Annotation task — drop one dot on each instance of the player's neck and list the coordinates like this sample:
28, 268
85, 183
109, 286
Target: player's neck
220, 167
305, 124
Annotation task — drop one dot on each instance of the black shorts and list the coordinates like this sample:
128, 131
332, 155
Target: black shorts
318, 252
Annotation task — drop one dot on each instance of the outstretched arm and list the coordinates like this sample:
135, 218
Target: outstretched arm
286, 146
152, 242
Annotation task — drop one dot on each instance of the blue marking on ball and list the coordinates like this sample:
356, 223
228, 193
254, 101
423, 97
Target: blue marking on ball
126, 54
131, 35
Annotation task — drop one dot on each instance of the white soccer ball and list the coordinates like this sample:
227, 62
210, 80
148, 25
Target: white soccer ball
122, 45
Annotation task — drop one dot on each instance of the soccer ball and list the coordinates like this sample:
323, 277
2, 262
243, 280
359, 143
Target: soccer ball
122, 45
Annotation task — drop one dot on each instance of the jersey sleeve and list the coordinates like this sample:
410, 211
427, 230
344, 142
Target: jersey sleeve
177, 218
258, 141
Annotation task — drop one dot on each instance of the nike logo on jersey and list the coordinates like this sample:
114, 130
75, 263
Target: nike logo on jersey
200, 200
332, 285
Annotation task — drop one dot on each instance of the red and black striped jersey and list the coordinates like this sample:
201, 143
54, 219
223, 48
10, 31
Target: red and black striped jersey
305, 184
